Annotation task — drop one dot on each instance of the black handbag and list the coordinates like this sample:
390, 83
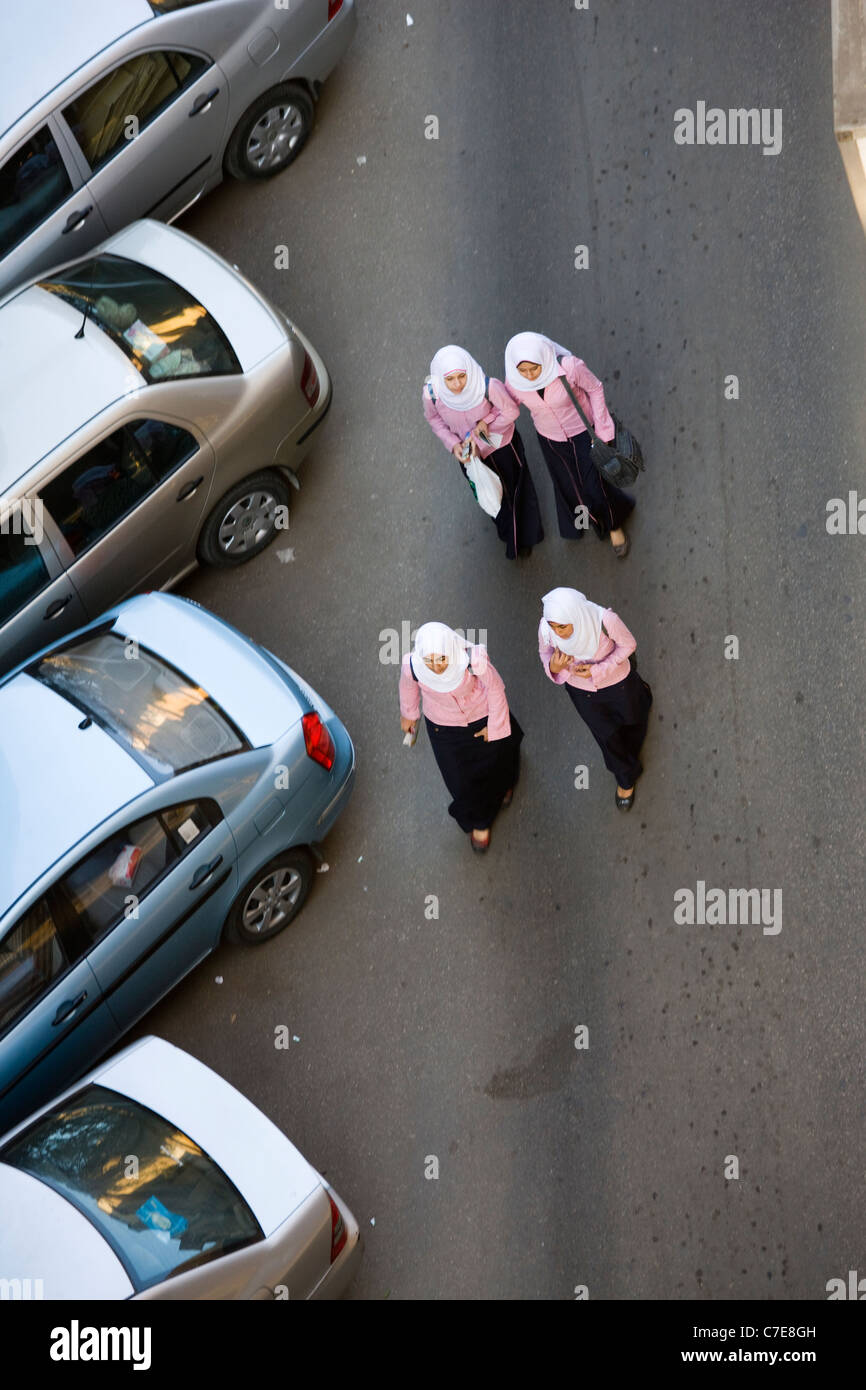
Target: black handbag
619, 462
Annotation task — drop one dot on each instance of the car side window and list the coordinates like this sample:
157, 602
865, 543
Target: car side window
162, 447
109, 883
33, 184
99, 489
22, 571
32, 956
122, 102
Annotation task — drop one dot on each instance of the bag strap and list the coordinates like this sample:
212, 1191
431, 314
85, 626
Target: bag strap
575, 403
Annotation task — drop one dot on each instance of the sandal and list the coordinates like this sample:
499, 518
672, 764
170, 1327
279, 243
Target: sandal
508, 797
480, 846
622, 550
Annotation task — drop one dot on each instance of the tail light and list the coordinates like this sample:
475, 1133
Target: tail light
310, 381
318, 741
339, 1234
334, 7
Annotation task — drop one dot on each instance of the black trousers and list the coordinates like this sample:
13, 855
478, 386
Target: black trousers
477, 774
617, 717
519, 521
577, 482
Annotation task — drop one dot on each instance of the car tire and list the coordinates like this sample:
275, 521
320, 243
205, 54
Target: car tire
244, 521
271, 133
271, 900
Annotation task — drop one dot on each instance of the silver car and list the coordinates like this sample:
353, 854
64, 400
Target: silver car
155, 1179
111, 110
155, 410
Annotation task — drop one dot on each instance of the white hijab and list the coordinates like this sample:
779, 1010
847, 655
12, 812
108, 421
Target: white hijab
457, 359
436, 639
566, 606
533, 347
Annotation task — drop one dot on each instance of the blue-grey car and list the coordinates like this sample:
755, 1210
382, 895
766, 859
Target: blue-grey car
165, 782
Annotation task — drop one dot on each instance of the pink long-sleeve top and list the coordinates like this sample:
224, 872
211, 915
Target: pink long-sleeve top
610, 665
451, 426
480, 695
555, 417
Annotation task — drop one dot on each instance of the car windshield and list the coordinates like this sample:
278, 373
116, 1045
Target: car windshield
161, 328
161, 1203
165, 721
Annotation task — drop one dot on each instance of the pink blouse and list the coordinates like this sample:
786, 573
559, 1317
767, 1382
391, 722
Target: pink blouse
555, 417
610, 665
451, 426
477, 697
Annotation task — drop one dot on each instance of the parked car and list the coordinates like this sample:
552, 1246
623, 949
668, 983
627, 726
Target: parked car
155, 410
111, 110
217, 1203
165, 783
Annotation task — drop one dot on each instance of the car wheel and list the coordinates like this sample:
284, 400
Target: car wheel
271, 900
271, 133
244, 521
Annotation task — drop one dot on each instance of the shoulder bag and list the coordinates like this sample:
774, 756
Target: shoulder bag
619, 462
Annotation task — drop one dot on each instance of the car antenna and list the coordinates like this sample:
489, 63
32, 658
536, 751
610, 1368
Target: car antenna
87, 306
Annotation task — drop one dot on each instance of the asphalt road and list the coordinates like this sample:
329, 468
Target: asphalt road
454, 1038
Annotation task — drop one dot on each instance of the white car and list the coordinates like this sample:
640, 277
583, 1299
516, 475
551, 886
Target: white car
152, 1178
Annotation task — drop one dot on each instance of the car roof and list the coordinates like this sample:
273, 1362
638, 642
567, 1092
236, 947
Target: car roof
37, 55
44, 1237
59, 781
233, 671
53, 382
271, 1175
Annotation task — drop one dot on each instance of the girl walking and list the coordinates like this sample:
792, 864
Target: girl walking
587, 648
475, 740
474, 415
540, 374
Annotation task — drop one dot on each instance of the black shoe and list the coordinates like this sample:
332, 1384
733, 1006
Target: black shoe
524, 552
624, 803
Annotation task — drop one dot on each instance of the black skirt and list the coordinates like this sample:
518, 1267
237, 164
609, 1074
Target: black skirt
577, 482
617, 715
477, 774
519, 521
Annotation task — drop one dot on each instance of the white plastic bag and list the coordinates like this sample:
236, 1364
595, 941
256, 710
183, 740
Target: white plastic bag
486, 485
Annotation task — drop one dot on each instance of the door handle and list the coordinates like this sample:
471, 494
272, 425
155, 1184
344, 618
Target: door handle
189, 490
66, 1008
204, 102
75, 219
203, 873
56, 608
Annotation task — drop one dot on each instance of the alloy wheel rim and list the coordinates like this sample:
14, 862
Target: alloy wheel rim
274, 136
271, 901
247, 522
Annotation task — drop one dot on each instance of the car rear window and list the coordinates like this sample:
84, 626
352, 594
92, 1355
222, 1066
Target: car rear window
160, 327
159, 1200
164, 720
